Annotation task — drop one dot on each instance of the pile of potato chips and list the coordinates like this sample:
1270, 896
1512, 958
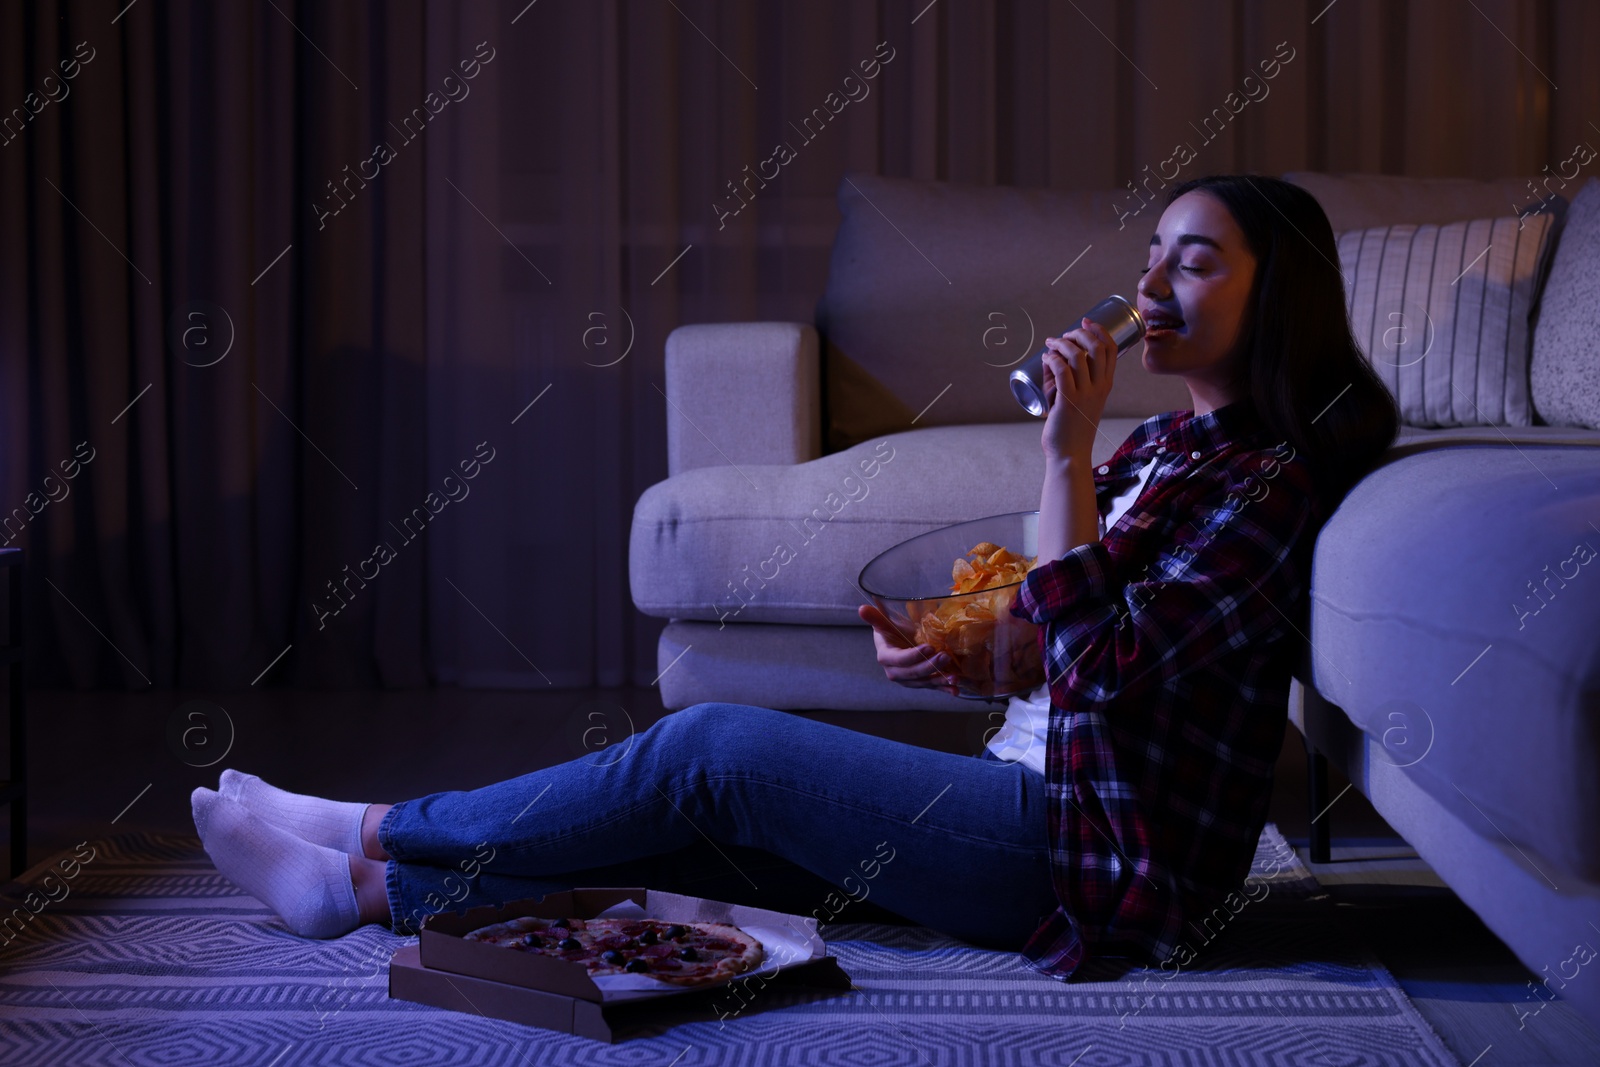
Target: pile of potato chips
970, 627
992, 566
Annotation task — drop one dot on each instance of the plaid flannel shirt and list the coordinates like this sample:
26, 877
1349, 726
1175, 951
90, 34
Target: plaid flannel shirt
1168, 648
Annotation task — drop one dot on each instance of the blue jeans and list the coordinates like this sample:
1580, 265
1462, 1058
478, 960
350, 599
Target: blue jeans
747, 805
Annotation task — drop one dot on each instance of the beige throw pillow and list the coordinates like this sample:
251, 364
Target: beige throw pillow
1442, 313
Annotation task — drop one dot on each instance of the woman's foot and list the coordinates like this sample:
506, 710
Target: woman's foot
309, 886
330, 823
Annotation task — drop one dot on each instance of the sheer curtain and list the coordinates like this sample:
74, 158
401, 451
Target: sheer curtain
448, 241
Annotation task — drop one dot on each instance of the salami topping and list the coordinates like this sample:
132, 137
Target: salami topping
676, 953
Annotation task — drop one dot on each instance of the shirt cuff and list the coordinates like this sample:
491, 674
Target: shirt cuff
1079, 578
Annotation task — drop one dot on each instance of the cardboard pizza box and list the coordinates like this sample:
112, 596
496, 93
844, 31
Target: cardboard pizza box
447, 972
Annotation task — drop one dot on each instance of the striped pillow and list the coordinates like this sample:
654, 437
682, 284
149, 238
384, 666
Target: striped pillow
1442, 314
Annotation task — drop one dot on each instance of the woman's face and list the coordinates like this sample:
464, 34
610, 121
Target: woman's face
1193, 294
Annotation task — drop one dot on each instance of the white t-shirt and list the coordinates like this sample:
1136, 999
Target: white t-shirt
1021, 739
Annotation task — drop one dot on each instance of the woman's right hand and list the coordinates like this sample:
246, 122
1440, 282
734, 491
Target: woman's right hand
915, 666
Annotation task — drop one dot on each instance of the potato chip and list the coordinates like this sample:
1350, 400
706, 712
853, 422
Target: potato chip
968, 627
988, 566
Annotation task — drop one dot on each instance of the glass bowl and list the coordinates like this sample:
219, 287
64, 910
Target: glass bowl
996, 654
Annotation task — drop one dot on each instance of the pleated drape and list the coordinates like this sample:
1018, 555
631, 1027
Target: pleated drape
247, 373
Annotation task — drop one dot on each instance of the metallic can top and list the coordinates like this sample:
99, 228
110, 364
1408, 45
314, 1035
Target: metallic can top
1121, 320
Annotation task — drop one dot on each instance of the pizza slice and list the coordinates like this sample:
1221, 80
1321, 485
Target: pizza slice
685, 954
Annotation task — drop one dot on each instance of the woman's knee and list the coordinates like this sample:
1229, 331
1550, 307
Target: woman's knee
713, 729
717, 714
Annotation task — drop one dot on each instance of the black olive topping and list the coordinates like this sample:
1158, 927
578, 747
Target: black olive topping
611, 956
568, 944
675, 931
636, 965
532, 940
648, 937
688, 953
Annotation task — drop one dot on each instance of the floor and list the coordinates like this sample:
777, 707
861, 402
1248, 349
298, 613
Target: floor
103, 762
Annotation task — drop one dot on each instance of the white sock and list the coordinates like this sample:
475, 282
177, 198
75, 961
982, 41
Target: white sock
306, 884
332, 824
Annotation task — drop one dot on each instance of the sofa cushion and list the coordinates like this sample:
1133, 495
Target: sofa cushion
1566, 337
1360, 201
1455, 599
1526, 899
787, 543
1442, 313
792, 667
1413, 439
935, 289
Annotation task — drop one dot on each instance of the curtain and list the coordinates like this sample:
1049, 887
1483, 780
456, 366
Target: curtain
442, 244
245, 374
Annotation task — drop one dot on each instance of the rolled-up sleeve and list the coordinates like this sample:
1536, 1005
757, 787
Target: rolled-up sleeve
1222, 581
1086, 573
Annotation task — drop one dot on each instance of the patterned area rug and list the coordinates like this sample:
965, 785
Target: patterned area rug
144, 955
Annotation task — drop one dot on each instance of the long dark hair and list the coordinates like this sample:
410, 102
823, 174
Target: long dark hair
1309, 381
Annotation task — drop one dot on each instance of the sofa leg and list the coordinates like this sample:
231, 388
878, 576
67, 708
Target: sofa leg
1317, 797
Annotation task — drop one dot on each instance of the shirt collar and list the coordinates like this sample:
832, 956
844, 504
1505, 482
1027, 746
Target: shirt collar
1215, 429
1185, 437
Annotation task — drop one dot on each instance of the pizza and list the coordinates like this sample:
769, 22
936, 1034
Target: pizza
686, 954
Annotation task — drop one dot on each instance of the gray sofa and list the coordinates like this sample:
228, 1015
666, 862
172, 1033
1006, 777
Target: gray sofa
1462, 700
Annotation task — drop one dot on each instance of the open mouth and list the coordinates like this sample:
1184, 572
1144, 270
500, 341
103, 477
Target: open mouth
1158, 325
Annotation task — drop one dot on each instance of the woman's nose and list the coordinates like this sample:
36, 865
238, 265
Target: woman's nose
1153, 283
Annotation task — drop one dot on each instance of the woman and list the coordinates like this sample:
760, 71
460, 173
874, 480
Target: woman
1120, 802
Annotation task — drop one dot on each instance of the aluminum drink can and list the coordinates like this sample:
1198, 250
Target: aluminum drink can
1121, 320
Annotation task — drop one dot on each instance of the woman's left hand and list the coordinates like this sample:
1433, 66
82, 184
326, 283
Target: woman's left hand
1078, 373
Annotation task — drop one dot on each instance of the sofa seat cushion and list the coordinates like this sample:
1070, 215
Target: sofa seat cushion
705, 544
1455, 603
1421, 438
787, 543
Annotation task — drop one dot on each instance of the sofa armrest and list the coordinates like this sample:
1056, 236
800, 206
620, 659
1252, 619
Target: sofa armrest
743, 393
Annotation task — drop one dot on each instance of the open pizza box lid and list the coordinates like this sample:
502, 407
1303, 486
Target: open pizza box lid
795, 952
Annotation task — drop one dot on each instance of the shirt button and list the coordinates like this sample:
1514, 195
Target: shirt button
1104, 469
1194, 455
